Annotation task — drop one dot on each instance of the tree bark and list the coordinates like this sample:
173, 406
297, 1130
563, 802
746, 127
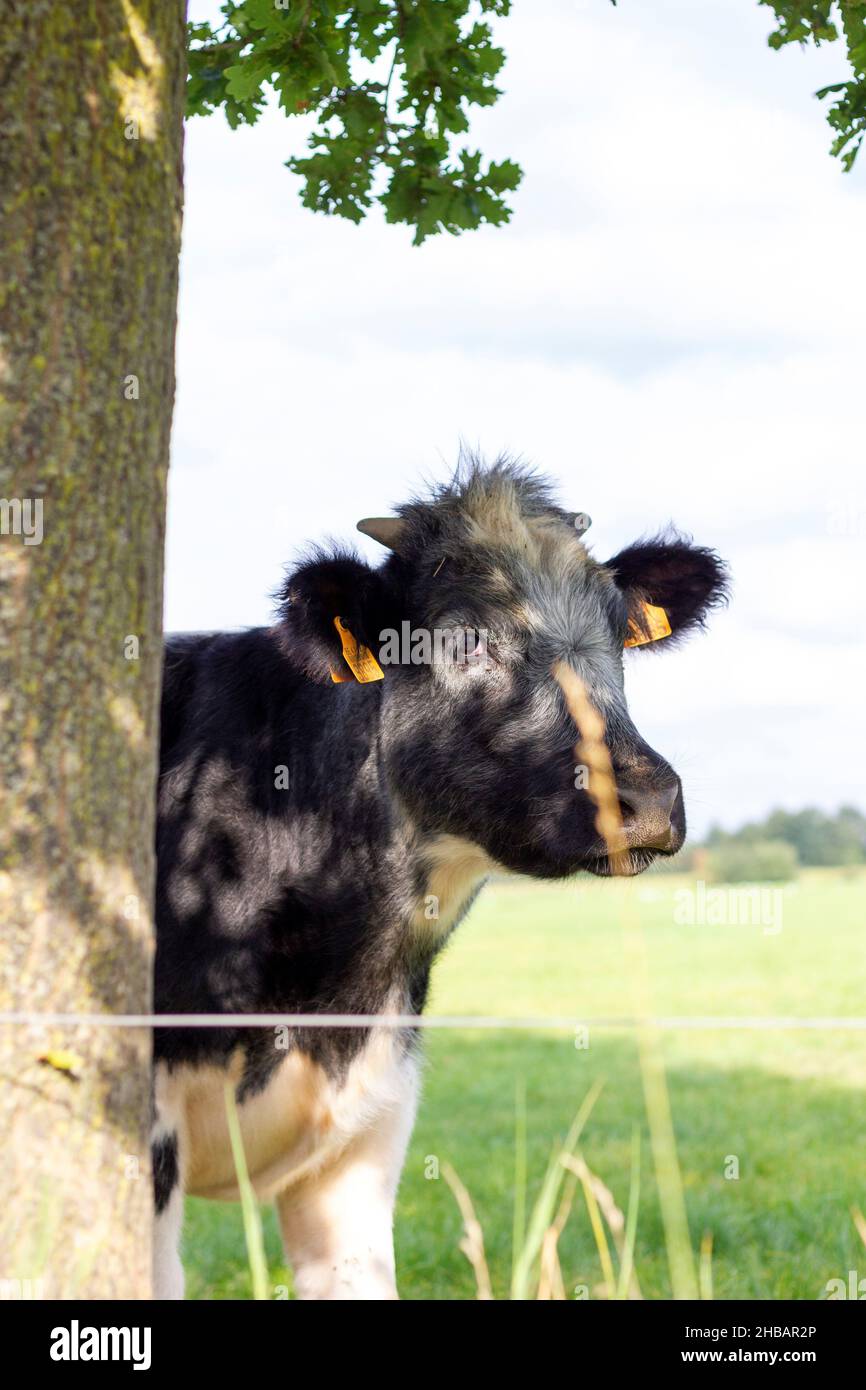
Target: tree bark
91, 102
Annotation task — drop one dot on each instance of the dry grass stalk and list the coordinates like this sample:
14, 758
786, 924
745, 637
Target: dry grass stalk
472, 1243
605, 1201
550, 1282
578, 1166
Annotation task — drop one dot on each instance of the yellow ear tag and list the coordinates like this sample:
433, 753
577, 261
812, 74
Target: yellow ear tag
656, 625
359, 659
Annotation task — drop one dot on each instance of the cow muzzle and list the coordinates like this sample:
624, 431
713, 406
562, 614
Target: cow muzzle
652, 815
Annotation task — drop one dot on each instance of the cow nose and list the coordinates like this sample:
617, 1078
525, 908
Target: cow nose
647, 814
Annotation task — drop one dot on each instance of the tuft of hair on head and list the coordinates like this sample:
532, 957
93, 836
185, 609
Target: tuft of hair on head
483, 503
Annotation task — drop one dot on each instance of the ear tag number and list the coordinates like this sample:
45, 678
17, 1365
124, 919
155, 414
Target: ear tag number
359, 659
656, 625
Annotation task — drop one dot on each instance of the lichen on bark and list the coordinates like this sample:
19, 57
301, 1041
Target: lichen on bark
91, 103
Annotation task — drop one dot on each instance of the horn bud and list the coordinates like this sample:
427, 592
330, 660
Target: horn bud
387, 530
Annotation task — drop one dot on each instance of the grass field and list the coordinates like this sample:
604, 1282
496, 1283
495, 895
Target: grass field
788, 1105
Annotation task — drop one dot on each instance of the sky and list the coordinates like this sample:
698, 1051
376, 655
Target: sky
670, 328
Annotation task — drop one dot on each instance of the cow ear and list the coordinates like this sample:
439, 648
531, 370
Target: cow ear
325, 588
672, 574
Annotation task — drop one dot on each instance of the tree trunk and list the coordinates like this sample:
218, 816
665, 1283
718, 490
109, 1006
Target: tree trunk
91, 101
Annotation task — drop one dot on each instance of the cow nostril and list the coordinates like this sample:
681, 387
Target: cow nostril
647, 812
668, 797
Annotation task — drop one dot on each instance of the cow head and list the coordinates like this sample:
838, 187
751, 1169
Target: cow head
477, 737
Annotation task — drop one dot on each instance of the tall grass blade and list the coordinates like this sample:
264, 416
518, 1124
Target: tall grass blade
249, 1206
628, 1284
705, 1267
542, 1212
518, 1234
578, 1166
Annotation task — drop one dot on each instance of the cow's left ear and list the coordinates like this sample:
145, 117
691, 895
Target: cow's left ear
325, 588
672, 574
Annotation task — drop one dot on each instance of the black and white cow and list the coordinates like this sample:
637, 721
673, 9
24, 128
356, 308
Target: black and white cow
319, 838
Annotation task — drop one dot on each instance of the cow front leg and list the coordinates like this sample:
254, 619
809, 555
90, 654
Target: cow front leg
337, 1226
168, 1188
168, 1281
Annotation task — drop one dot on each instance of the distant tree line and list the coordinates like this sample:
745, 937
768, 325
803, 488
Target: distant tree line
775, 848
816, 837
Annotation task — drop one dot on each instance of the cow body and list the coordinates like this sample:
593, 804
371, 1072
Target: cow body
318, 841
311, 896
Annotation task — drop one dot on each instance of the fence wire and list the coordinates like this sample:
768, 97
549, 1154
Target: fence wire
528, 1023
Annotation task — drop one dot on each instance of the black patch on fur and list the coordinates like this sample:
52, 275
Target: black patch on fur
165, 1170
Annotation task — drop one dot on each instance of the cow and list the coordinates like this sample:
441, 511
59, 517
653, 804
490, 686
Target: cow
326, 817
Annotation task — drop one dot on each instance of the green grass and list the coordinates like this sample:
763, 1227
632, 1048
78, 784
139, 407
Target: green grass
789, 1106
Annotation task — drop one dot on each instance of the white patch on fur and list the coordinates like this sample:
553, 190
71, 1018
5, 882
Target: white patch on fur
312, 1144
298, 1123
455, 868
168, 1280
167, 1264
337, 1225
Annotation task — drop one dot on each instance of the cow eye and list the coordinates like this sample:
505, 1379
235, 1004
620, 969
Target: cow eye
469, 648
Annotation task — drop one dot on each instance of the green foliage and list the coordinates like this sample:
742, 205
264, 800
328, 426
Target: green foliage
390, 84
815, 837
758, 861
825, 21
